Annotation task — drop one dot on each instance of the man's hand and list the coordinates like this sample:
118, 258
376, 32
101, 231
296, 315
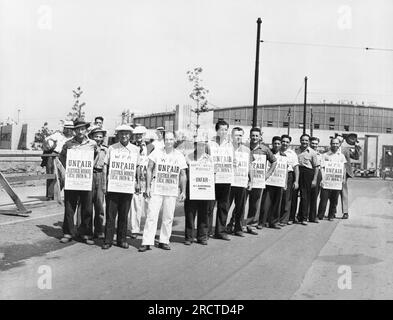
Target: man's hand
313, 184
295, 185
147, 193
182, 196
137, 189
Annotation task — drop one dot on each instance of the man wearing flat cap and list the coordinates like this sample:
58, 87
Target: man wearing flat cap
159, 143
122, 162
99, 180
71, 197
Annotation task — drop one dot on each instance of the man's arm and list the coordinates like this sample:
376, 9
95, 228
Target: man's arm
271, 170
296, 182
183, 183
355, 154
149, 176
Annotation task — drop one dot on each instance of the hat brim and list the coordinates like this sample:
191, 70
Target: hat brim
82, 125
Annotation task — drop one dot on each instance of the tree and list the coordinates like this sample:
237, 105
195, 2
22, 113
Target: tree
198, 94
77, 112
40, 136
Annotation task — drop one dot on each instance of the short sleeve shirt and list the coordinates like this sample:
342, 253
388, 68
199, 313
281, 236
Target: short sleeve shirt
99, 161
292, 159
330, 156
263, 150
119, 147
174, 158
307, 158
86, 144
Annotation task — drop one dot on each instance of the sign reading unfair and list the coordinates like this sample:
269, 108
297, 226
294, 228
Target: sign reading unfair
332, 177
202, 180
258, 171
240, 170
122, 169
79, 170
279, 175
166, 182
223, 164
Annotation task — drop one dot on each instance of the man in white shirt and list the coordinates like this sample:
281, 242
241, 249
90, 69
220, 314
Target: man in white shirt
292, 182
123, 158
165, 172
159, 142
329, 194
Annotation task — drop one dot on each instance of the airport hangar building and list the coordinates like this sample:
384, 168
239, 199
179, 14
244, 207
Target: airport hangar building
373, 125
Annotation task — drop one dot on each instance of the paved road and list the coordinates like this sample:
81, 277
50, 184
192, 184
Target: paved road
297, 262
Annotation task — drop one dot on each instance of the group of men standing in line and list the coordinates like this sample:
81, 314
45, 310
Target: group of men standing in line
144, 178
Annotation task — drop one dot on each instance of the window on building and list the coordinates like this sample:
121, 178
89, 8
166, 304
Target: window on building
237, 121
331, 119
316, 125
270, 123
331, 126
346, 127
300, 125
388, 130
285, 124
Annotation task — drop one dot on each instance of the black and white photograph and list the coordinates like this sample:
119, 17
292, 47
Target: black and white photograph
209, 152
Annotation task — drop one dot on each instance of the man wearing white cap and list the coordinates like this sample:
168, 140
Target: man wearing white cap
165, 170
122, 164
159, 143
139, 203
53, 144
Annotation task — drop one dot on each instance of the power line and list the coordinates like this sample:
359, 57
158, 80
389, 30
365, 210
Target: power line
351, 93
326, 45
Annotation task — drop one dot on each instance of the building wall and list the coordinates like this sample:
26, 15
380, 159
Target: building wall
15, 137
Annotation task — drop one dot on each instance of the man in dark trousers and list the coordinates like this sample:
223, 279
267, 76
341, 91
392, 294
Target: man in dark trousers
292, 182
308, 174
241, 163
314, 143
118, 202
254, 201
334, 154
99, 181
71, 197
272, 195
222, 152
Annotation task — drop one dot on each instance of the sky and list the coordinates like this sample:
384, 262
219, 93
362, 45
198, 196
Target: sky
135, 54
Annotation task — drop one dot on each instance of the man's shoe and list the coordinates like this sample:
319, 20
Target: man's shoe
106, 246
304, 223
282, 224
251, 231
313, 221
289, 223
229, 229
202, 242
259, 226
330, 219
345, 216
143, 248
123, 245
66, 239
164, 246
187, 242
274, 226
223, 237
239, 233
89, 241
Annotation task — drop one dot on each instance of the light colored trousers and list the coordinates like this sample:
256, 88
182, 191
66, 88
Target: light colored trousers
138, 209
168, 211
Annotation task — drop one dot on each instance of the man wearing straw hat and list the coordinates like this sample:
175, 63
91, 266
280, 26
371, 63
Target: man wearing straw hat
71, 197
122, 162
99, 180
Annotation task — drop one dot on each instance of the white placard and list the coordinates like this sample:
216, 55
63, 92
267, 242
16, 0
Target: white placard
258, 172
122, 168
166, 182
79, 170
240, 169
332, 175
223, 164
279, 175
202, 180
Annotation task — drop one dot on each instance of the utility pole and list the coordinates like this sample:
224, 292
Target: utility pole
256, 76
311, 122
289, 120
305, 105
18, 115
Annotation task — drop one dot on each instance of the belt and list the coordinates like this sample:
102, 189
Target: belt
96, 170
